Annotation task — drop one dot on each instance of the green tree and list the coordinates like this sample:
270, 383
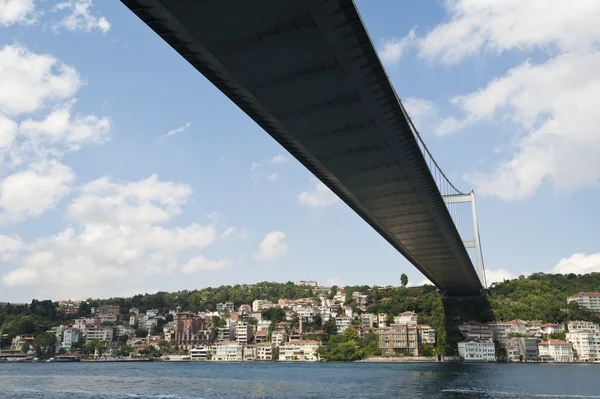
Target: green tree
25, 347
404, 279
329, 327
44, 345
427, 350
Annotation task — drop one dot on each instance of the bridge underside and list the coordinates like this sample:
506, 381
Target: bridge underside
307, 72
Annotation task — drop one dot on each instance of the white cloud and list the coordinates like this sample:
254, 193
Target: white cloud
8, 131
393, 49
32, 192
498, 275
231, 231
319, 196
272, 247
111, 248
10, 246
579, 264
178, 130
28, 80
425, 281
16, 11
200, 263
498, 26
278, 159
80, 17
555, 103
60, 126
422, 112
273, 177
335, 281
228, 231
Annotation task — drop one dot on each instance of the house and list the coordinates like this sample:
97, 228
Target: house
19, 341
382, 319
410, 318
260, 304
199, 353
228, 351
582, 326
342, 322
249, 352
261, 336
589, 300
278, 337
299, 351
557, 350
552, 328
475, 349
264, 351
368, 319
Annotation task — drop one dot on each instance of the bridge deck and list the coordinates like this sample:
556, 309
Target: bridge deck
307, 72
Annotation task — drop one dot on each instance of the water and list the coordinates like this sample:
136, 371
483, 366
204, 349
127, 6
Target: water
300, 380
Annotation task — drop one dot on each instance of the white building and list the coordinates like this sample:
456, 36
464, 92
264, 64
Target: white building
342, 323
409, 318
229, 351
589, 300
586, 344
263, 324
477, 350
101, 333
244, 333
428, 335
264, 351
199, 354
299, 351
260, 304
70, 336
249, 352
278, 337
552, 328
307, 283
382, 320
582, 326
307, 314
559, 351
474, 329
368, 319
340, 296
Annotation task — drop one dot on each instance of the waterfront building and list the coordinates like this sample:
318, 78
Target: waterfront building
19, 341
557, 350
249, 352
101, 333
586, 344
192, 330
229, 351
428, 335
264, 351
589, 300
299, 351
199, 353
399, 338
528, 348
70, 336
475, 349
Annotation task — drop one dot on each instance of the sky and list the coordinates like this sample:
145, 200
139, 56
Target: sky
124, 171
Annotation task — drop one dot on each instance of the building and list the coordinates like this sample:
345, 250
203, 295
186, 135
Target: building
228, 351
305, 351
557, 350
244, 333
70, 336
589, 300
278, 337
307, 314
224, 334
244, 309
307, 283
263, 324
101, 333
552, 328
474, 329
527, 347
342, 323
108, 310
428, 335
474, 349
582, 326
368, 319
399, 338
199, 354
264, 351
192, 330
249, 352
256, 315
382, 319
260, 304
410, 318
586, 344
262, 336
224, 308
19, 341
361, 299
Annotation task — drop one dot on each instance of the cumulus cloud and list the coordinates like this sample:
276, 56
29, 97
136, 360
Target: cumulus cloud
278, 159
79, 17
394, 48
118, 239
578, 263
272, 247
498, 275
319, 196
235, 231
16, 11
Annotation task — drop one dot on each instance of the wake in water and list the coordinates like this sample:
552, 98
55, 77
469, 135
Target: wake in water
478, 393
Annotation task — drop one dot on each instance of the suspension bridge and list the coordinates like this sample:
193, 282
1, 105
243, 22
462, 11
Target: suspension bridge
308, 73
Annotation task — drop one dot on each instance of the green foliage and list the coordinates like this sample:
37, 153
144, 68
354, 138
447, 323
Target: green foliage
349, 346
329, 327
44, 345
427, 350
276, 315
404, 280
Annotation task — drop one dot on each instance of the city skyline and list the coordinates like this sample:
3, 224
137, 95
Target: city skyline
111, 189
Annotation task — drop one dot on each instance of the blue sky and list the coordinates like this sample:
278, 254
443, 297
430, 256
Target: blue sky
124, 171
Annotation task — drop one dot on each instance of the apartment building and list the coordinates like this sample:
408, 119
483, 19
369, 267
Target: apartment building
410, 318
260, 304
299, 351
474, 329
582, 326
428, 335
101, 333
361, 299
199, 353
70, 336
278, 337
245, 309
249, 352
559, 351
382, 319
229, 351
475, 349
307, 283
551, 328
586, 344
224, 308
398, 338
192, 330
244, 333
307, 314
261, 336
263, 325
342, 322
264, 351
368, 319
589, 300
527, 347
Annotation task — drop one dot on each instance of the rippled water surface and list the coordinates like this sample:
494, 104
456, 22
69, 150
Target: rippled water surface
301, 380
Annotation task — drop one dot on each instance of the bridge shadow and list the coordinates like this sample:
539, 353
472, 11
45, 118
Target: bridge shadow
458, 310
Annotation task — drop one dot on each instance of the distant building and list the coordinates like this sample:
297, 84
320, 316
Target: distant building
249, 352
428, 335
224, 308
475, 349
244, 333
244, 309
70, 336
342, 323
278, 337
307, 314
229, 351
399, 338
368, 319
559, 351
299, 351
582, 326
264, 351
199, 353
192, 330
361, 299
382, 319
263, 324
474, 329
589, 300
260, 304
262, 336
307, 283
527, 347
552, 328
586, 344
410, 318
101, 333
